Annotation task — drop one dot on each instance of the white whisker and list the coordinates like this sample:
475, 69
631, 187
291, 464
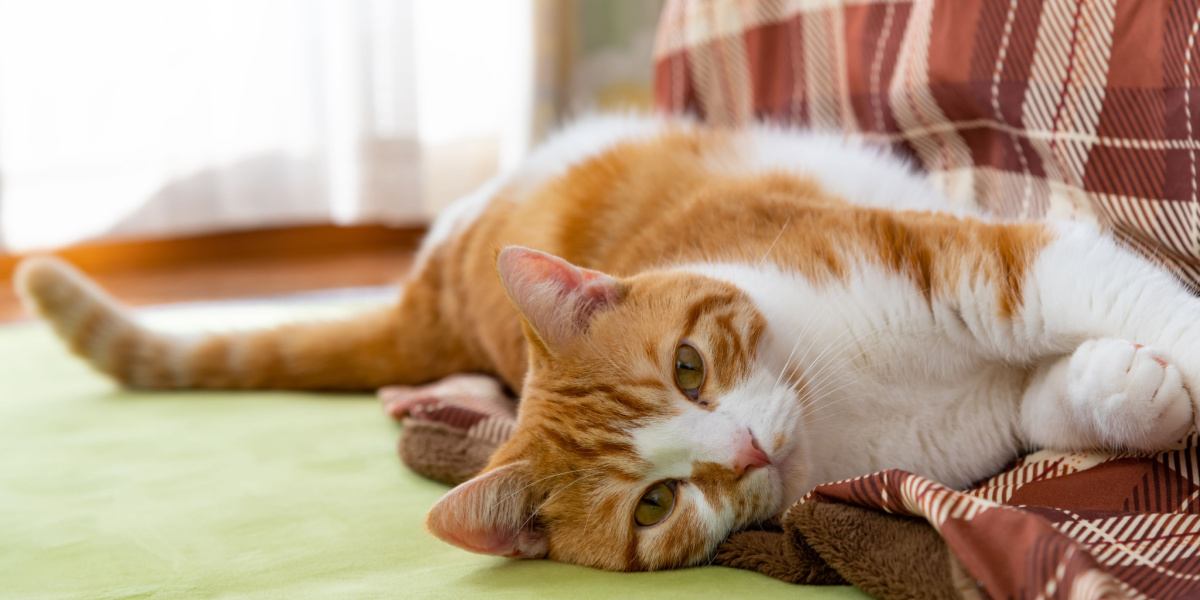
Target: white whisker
770, 248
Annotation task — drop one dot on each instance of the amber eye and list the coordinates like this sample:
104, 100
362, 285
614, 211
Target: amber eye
656, 504
689, 370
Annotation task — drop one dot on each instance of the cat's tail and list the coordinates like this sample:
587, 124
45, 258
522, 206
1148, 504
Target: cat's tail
362, 352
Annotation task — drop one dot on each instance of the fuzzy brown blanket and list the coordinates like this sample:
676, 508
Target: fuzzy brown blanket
1053, 525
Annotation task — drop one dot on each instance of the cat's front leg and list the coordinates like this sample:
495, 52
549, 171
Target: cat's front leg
1087, 286
1083, 286
1084, 302
1108, 393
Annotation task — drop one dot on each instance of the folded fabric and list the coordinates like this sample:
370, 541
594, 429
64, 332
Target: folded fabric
1053, 525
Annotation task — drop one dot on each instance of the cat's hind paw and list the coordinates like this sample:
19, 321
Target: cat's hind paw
1134, 396
478, 393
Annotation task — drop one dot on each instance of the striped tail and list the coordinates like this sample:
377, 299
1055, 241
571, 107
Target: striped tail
364, 352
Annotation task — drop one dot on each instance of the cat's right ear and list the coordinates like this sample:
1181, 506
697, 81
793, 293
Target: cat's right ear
490, 514
557, 298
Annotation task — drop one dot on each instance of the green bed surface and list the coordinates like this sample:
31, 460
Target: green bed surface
112, 494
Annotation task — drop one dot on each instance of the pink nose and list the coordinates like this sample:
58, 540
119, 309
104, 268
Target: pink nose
749, 455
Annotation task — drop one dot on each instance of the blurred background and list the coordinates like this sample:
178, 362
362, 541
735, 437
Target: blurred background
200, 149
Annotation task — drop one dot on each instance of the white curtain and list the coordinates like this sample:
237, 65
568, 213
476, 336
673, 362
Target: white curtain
135, 118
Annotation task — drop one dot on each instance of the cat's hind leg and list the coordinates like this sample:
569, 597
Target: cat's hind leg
1108, 393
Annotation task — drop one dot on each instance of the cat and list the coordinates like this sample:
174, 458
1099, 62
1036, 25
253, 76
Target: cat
702, 324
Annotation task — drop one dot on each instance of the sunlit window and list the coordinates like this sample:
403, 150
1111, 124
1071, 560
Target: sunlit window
157, 117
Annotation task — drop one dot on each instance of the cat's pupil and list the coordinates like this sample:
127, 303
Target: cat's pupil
689, 370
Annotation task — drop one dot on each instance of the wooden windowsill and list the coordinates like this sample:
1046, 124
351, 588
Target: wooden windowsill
236, 265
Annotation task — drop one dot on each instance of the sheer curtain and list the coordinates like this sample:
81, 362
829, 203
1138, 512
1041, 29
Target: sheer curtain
135, 118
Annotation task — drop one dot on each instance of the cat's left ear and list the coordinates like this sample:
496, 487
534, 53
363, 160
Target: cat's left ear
557, 298
490, 514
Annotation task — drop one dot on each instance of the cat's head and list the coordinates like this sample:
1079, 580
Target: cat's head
649, 426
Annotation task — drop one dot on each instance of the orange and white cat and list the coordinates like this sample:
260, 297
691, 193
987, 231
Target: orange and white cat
702, 324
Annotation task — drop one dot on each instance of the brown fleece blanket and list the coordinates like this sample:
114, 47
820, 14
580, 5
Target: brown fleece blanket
1053, 525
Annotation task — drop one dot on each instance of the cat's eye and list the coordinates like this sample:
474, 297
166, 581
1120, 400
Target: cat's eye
656, 504
689, 370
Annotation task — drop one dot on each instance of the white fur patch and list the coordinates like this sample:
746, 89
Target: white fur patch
693, 435
843, 165
584, 139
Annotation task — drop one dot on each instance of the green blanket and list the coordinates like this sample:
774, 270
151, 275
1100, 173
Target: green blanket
112, 494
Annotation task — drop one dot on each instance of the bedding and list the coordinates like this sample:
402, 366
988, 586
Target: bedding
106, 493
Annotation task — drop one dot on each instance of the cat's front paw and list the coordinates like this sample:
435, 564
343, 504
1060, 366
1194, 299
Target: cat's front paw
1132, 394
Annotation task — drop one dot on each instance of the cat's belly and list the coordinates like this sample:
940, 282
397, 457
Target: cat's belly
955, 433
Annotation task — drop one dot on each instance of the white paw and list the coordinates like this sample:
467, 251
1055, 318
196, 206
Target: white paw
1133, 396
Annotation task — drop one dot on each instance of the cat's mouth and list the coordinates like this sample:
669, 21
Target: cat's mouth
789, 468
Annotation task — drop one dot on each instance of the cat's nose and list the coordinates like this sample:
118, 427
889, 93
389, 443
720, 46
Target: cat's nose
748, 455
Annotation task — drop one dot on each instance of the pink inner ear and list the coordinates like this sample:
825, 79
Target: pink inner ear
557, 297
494, 542
544, 267
540, 266
523, 544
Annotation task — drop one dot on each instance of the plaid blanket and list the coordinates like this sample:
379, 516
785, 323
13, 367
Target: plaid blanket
1054, 525
1081, 108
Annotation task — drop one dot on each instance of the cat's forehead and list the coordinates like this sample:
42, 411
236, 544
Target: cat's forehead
679, 291
658, 310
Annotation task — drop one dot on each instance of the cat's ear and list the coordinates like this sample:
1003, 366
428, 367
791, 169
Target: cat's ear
490, 514
557, 298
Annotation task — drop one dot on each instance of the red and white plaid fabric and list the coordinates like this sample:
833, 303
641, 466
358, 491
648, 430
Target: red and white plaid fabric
1081, 108
1060, 525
